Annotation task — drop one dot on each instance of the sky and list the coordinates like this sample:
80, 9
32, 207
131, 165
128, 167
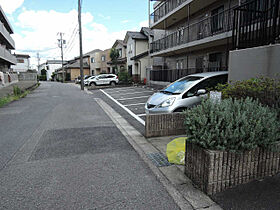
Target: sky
36, 24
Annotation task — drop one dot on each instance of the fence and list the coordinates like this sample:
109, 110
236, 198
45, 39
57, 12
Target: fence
210, 26
27, 77
256, 23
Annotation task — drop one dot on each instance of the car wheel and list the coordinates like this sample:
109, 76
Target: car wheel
92, 84
113, 84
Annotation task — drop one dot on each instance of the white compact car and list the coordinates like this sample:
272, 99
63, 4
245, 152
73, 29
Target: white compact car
103, 79
183, 93
86, 82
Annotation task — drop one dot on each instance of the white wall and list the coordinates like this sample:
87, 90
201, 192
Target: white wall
21, 67
51, 69
253, 62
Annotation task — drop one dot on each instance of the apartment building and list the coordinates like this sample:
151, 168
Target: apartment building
6, 43
197, 36
23, 63
120, 46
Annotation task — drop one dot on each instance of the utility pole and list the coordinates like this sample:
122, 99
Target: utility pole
38, 60
62, 42
81, 46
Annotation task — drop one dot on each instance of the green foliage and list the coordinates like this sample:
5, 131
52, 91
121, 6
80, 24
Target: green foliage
17, 91
124, 76
114, 55
232, 125
43, 78
266, 90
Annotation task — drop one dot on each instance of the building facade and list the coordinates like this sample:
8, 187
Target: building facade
99, 61
6, 43
137, 53
23, 63
120, 64
197, 36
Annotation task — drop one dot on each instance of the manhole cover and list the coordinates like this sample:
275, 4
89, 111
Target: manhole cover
159, 159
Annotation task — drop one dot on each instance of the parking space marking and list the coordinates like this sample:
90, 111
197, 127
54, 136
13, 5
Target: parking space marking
135, 92
122, 90
141, 115
126, 109
135, 104
121, 99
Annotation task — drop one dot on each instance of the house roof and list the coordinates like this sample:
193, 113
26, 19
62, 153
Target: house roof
136, 35
142, 55
118, 41
22, 56
93, 51
119, 61
55, 62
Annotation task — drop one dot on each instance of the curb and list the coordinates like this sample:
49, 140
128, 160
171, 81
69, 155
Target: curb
185, 195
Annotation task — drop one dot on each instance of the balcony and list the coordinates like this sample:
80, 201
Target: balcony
7, 56
8, 40
210, 31
256, 23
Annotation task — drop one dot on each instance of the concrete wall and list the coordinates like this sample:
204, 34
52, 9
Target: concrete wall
27, 76
254, 62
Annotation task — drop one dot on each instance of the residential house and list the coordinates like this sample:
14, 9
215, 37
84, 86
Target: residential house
72, 69
23, 63
50, 66
120, 46
99, 61
137, 53
6, 45
198, 37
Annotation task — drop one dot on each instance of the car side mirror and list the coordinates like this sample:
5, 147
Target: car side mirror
201, 92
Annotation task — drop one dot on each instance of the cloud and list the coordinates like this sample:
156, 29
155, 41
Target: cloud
104, 17
38, 32
125, 21
9, 6
144, 23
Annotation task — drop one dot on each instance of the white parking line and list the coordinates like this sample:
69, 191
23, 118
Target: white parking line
121, 90
141, 115
126, 109
121, 99
136, 92
134, 104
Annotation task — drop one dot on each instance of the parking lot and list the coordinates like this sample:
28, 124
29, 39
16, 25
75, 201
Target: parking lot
131, 99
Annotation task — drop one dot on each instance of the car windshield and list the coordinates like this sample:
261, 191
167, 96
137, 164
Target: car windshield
181, 85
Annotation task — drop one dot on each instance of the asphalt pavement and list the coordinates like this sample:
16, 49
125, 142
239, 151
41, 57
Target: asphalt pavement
59, 150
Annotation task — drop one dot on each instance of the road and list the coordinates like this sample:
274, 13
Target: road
59, 150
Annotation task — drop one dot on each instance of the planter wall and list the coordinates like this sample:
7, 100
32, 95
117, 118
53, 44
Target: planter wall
216, 171
165, 125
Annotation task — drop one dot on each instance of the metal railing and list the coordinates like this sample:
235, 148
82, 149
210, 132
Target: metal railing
7, 35
256, 23
210, 26
165, 8
171, 75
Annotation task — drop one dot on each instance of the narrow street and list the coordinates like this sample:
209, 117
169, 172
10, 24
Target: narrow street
59, 150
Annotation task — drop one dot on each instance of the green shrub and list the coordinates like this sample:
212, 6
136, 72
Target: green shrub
232, 125
17, 91
124, 76
266, 90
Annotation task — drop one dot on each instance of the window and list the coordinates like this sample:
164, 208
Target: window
103, 58
120, 53
130, 48
92, 60
217, 19
20, 60
207, 84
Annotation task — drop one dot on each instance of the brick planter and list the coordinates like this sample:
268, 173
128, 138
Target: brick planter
216, 171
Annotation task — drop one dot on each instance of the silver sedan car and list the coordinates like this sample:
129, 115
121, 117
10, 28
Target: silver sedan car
185, 92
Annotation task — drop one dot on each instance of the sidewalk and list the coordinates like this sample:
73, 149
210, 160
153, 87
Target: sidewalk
23, 85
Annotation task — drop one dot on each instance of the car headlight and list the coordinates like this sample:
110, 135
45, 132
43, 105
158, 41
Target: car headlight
167, 103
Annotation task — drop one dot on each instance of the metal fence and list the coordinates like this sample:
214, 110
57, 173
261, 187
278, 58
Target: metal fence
210, 26
165, 8
256, 23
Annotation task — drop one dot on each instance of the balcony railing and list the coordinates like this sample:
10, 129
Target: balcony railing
256, 23
210, 26
171, 75
7, 35
7, 56
165, 8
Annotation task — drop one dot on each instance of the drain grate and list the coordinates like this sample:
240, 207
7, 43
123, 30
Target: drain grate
158, 159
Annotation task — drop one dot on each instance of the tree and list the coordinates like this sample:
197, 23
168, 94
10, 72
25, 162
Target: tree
114, 55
